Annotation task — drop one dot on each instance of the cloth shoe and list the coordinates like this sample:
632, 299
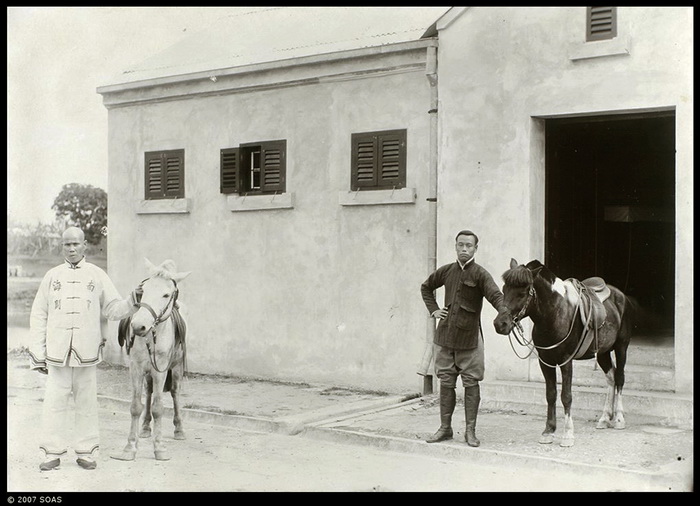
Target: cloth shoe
50, 464
86, 463
472, 396
448, 398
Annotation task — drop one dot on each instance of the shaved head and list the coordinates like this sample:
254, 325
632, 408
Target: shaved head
74, 233
74, 245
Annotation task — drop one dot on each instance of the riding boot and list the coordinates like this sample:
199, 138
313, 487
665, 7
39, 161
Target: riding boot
448, 399
471, 407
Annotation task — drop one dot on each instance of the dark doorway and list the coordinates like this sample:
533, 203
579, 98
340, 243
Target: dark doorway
610, 201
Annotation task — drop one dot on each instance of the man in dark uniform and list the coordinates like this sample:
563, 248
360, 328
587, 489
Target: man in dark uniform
458, 343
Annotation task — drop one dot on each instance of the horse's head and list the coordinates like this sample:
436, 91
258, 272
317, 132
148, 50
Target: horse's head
517, 294
159, 296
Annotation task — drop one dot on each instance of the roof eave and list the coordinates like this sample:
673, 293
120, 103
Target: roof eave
266, 66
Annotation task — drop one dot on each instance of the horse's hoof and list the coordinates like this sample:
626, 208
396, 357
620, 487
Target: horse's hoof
145, 433
180, 435
546, 439
162, 455
125, 456
567, 442
603, 424
620, 425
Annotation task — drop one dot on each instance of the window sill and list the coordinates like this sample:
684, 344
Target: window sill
376, 197
260, 202
164, 206
600, 48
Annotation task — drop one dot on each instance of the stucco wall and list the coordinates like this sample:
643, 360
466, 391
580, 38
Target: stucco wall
500, 70
321, 292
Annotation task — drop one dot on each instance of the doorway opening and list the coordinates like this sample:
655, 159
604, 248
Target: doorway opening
610, 208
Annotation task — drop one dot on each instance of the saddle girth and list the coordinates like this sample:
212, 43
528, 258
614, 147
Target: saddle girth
592, 292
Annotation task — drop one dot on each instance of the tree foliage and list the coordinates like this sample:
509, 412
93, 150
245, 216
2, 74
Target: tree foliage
83, 206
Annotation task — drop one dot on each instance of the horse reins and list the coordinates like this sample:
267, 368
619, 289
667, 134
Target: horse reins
516, 325
157, 320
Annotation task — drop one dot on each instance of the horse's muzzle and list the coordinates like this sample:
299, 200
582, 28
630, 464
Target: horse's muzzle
503, 324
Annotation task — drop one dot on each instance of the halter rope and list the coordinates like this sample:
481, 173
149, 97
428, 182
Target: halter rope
157, 320
516, 324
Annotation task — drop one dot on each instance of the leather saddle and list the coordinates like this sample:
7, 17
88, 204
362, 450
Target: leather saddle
593, 292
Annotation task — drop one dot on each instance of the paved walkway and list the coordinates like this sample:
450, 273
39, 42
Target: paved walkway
660, 457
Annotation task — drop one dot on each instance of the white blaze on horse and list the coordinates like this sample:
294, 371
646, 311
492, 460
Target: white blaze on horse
154, 337
572, 320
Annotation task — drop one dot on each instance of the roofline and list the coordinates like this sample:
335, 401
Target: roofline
449, 17
276, 64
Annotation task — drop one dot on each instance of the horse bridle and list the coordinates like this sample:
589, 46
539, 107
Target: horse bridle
516, 324
157, 320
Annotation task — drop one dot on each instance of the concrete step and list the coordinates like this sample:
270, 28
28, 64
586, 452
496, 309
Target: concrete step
661, 356
637, 377
664, 408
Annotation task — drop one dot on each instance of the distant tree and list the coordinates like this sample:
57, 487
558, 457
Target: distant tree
83, 206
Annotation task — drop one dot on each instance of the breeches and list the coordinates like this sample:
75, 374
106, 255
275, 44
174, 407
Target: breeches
64, 384
467, 364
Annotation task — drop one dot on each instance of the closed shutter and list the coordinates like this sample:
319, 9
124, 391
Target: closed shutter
273, 166
165, 174
601, 23
364, 161
378, 160
229, 170
392, 159
154, 176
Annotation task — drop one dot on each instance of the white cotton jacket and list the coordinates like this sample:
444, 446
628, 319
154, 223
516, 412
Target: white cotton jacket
67, 324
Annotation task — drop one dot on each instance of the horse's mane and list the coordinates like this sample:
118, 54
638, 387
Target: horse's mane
518, 276
523, 275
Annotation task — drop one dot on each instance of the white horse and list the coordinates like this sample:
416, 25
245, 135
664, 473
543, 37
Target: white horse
155, 342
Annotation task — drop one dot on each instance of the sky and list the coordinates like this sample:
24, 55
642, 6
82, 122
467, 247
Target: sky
57, 57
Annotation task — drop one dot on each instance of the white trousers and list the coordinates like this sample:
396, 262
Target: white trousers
65, 424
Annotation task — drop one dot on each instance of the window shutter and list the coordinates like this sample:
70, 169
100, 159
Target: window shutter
601, 23
378, 160
392, 159
174, 174
273, 166
154, 176
165, 174
363, 161
229, 170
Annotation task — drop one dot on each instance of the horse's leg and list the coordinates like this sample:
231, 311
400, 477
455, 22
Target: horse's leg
567, 372
157, 410
175, 393
146, 423
605, 362
550, 378
129, 451
618, 413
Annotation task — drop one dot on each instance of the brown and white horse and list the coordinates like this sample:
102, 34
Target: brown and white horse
572, 320
155, 342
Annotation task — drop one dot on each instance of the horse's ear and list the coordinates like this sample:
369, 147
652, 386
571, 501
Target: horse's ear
513, 263
149, 265
179, 276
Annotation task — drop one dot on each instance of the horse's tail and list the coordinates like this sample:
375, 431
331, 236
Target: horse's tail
634, 316
123, 333
168, 381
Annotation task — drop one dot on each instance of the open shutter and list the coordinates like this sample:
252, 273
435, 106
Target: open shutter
154, 176
392, 159
273, 166
229, 170
363, 171
601, 23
